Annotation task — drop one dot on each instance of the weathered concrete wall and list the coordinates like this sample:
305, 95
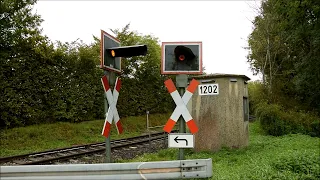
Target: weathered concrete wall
220, 117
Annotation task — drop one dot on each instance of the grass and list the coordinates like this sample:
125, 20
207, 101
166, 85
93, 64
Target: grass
292, 156
42, 137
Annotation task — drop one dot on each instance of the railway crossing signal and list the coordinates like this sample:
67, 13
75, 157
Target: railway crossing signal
109, 62
181, 58
181, 108
112, 111
128, 51
111, 52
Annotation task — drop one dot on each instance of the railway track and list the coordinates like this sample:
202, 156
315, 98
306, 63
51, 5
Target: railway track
70, 152
80, 150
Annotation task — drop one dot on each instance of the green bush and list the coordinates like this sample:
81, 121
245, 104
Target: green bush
257, 94
271, 119
277, 121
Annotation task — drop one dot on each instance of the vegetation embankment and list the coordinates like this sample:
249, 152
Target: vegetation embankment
277, 119
293, 156
42, 137
284, 49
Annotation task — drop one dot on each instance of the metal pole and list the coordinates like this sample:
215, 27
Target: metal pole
111, 78
148, 128
182, 126
147, 120
181, 83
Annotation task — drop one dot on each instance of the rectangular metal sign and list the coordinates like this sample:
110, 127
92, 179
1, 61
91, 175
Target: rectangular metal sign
108, 62
181, 58
180, 140
208, 89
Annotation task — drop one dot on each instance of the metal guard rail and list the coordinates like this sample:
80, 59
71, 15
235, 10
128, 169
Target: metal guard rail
178, 169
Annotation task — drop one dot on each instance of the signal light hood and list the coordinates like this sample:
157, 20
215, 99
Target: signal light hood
183, 53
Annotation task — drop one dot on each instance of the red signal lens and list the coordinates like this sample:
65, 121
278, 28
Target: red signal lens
181, 57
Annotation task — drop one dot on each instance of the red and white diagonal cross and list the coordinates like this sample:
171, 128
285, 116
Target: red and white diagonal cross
181, 108
112, 110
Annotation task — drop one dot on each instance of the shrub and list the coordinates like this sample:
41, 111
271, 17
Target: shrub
257, 93
277, 121
271, 119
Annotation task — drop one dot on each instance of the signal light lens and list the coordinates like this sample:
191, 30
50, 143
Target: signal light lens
113, 53
181, 57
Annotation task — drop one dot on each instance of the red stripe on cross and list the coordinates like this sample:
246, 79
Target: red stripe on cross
192, 126
193, 85
170, 85
119, 127
118, 84
169, 125
105, 83
107, 128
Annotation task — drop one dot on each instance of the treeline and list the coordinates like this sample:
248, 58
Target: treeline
285, 48
45, 82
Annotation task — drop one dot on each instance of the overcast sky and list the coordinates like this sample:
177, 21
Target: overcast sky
222, 26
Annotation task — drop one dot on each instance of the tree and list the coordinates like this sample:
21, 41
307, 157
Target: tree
42, 82
284, 46
24, 59
77, 82
46, 82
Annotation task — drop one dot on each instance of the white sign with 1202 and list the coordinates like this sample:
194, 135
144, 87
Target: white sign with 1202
208, 89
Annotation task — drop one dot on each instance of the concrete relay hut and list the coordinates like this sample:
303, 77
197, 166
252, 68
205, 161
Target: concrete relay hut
222, 119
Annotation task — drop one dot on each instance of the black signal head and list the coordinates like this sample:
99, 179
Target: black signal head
181, 58
183, 53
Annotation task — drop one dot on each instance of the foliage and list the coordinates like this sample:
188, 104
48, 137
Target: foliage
284, 47
45, 82
287, 157
257, 94
25, 64
277, 121
77, 83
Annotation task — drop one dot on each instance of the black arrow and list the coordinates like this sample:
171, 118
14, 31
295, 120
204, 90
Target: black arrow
176, 139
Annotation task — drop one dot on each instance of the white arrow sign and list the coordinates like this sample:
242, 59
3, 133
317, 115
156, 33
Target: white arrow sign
180, 140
